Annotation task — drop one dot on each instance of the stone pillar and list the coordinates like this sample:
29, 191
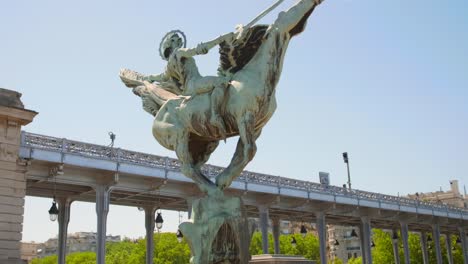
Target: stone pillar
464, 245
366, 239
448, 244
150, 213
404, 238
263, 212
396, 253
424, 247
322, 234
436, 235
102, 209
63, 220
276, 234
13, 116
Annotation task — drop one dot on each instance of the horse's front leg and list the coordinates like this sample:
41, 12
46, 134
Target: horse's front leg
245, 151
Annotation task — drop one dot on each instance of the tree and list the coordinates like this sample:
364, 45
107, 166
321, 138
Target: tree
383, 250
355, 261
336, 261
307, 246
46, 260
81, 258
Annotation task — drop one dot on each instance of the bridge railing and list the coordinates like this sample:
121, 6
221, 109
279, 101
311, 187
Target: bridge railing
133, 157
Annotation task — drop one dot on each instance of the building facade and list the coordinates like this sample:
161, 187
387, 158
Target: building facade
76, 242
343, 242
30, 250
451, 197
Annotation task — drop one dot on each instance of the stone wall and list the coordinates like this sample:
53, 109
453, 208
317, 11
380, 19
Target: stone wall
12, 175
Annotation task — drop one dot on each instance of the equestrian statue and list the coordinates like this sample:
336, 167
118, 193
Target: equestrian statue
193, 113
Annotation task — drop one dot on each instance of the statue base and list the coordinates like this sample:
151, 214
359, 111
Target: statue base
280, 259
220, 232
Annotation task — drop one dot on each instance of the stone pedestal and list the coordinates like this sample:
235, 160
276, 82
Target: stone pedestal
12, 175
280, 259
220, 232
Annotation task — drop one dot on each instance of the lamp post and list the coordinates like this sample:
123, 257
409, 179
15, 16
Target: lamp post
346, 160
303, 230
293, 242
159, 221
53, 211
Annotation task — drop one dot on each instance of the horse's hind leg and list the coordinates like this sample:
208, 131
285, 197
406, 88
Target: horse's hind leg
201, 152
245, 151
188, 166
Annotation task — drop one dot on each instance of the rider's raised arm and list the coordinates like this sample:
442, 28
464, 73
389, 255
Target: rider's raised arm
204, 47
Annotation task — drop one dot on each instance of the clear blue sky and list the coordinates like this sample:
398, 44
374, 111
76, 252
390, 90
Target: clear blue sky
386, 81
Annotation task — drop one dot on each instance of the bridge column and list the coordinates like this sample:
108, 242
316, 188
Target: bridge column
13, 116
404, 238
436, 235
366, 239
150, 213
464, 244
189, 208
276, 234
63, 220
264, 216
322, 234
363, 245
424, 247
396, 253
448, 244
102, 209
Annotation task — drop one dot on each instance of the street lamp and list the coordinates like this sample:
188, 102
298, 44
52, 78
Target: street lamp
346, 160
53, 211
180, 236
159, 221
303, 230
293, 242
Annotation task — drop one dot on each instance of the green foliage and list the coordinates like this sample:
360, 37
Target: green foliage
307, 246
81, 258
355, 261
383, 250
336, 261
46, 260
167, 250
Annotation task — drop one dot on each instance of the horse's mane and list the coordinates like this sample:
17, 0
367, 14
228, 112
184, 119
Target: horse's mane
236, 54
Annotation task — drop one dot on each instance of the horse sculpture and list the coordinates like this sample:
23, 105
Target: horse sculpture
254, 68
193, 113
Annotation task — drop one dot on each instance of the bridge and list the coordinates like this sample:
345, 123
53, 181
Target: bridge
80, 171
44, 166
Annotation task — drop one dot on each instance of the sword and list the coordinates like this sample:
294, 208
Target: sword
264, 13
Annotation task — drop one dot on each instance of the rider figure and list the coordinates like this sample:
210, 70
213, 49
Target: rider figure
182, 71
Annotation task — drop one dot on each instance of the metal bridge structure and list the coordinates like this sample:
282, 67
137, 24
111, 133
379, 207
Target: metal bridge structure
80, 171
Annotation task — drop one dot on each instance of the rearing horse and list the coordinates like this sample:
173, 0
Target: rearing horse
184, 126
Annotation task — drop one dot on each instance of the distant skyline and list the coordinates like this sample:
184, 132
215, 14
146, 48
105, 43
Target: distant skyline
385, 81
